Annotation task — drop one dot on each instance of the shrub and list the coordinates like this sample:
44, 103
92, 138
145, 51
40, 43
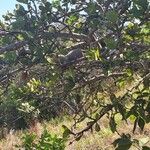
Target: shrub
47, 141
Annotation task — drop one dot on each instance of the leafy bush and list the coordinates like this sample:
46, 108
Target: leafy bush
47, 141
112, 77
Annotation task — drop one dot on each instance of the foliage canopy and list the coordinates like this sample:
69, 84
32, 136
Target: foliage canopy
112, 78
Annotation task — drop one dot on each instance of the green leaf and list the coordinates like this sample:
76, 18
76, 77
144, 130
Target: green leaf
123, 143
142, 3
145, 148
97, 55
20, 11
10, 57
56, 3
72, 19
66, 132
89, 123
121, 82
91, 8
97, 127
48, 5
112, 16
136, 11
141, 123
73, 1
129, 72
113, 98
122, 111
148, 107
78, 137
112, 124
146, 82
22, 1
41, 7
70, 83
135, 124
97, 116
111, 43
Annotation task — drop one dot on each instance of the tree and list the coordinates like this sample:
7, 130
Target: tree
114, 37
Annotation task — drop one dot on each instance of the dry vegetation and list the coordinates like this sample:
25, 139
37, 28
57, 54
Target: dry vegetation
90, 141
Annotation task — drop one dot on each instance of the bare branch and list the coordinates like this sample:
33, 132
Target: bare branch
97, 78
66, 35
13, 46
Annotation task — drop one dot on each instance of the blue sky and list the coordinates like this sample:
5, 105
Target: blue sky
6, 5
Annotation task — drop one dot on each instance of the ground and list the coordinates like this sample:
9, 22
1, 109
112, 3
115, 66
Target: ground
101, 140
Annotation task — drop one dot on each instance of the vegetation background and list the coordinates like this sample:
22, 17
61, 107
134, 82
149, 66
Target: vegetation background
52, 97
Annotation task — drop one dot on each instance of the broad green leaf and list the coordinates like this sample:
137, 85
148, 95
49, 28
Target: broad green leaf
123, 143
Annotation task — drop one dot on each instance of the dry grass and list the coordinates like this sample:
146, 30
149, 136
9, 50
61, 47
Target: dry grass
11, 140
101, 140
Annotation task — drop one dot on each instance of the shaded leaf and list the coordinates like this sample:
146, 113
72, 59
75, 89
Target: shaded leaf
112, 124
66, 132
135, 124
97, 127
123, 143
111, 43
141, 123
89, 123
145, 148
112, 16
122, 110
78, 137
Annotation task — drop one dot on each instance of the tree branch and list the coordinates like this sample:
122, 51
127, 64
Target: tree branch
13, 46
66, 35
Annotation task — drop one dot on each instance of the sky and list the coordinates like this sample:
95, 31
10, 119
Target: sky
6, 5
